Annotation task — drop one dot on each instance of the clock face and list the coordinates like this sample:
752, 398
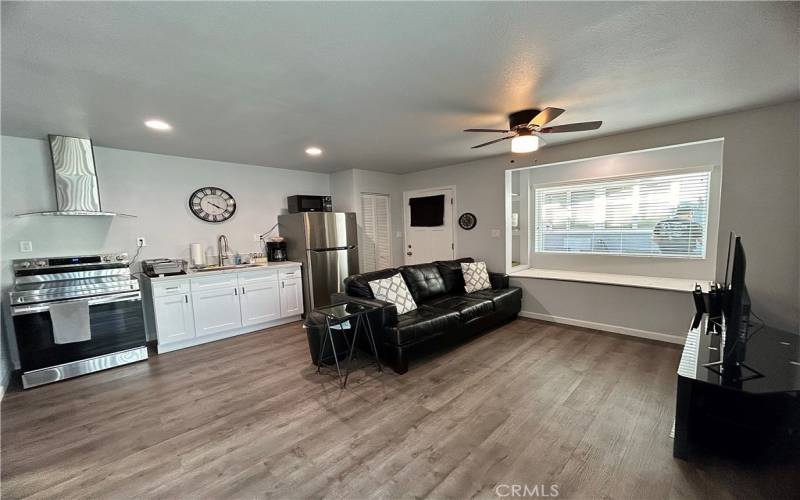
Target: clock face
212, 204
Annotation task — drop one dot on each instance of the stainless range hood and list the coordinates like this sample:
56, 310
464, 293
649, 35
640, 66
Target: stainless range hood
75, 177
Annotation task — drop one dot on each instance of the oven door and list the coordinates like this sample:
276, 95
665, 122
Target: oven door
115, 321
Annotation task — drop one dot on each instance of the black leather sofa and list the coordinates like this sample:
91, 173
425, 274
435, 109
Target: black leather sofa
445, 312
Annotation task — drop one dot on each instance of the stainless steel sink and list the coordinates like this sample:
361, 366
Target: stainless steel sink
227, 268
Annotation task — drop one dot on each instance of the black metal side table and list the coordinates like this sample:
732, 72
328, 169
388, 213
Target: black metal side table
337, 315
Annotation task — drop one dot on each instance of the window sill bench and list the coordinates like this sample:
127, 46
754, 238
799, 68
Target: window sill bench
651, 282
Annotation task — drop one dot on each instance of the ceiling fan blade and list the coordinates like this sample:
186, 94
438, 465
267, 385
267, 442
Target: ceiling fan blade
486, 130
572, 127
546, 116
492, 142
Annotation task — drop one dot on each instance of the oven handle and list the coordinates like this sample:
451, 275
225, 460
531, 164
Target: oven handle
108, 299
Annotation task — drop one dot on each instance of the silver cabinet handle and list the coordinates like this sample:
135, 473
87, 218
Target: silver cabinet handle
242, 290
283, 284
236, 291
186, 298
171, 288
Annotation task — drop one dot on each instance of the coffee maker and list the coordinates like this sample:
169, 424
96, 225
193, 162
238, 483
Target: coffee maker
276, 251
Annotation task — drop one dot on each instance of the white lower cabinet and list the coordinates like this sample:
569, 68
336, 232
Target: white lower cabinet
199, 309
174, 317
260, 303
291, 297
216, 311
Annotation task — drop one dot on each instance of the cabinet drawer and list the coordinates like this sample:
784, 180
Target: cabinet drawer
214, 282
251, 278
170, 288
291, 273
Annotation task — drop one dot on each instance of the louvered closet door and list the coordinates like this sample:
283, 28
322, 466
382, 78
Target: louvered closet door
375, 248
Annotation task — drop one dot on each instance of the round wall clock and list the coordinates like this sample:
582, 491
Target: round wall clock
467, 221
212, 204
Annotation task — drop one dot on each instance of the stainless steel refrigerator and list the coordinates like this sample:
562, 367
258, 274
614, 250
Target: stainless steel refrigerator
327, 245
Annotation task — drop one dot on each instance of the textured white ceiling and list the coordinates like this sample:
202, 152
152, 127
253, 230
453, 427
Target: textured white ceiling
381, 86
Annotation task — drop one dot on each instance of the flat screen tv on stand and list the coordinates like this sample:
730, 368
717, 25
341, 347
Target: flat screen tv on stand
736, 314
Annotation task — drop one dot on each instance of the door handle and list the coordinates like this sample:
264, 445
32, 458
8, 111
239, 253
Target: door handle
409, 253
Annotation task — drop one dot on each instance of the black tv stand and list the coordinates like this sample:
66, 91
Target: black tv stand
749, 407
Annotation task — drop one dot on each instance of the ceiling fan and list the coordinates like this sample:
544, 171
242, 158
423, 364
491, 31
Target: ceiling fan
527, 125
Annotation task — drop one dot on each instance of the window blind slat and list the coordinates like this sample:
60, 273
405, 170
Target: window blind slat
663, 215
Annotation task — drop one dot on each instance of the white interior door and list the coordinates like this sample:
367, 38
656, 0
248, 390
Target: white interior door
375, 246
429, 243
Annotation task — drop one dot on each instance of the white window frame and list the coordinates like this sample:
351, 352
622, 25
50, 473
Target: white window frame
603, 179
666, 267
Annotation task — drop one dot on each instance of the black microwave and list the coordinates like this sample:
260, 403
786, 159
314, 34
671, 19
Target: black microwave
309, 203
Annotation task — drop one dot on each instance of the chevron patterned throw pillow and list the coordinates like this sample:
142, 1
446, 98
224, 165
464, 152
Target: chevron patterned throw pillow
394, 290
476, 277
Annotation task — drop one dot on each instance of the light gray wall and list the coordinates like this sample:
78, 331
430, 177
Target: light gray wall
759, 200
153, 187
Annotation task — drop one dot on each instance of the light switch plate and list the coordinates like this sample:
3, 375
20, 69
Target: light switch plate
495, 233
141, 241
26, 246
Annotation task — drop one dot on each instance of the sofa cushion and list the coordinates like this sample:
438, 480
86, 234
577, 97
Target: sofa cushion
504, 299
467, 307
476, 277
420, 323
452, 275
424, 281
357, 285
394, 291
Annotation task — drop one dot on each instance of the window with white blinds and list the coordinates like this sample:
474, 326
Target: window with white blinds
375, 245
663, 215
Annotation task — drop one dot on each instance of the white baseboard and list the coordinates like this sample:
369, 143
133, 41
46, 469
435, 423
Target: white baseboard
622, 330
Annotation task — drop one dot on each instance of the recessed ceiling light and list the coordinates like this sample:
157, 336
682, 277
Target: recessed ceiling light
158, 125
313, 151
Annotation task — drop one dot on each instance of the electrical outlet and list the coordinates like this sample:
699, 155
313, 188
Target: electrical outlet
256, 237
26, 246
141, 242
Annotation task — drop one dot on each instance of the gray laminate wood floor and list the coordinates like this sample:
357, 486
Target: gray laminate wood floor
530, 403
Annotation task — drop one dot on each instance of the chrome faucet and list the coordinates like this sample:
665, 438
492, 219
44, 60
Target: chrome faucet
221, 254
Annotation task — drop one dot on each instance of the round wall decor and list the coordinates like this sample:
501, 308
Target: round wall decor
467, 221
212, 204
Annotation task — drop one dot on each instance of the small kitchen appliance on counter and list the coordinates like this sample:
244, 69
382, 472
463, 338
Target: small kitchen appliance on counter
163, 267
75, 315
276, 251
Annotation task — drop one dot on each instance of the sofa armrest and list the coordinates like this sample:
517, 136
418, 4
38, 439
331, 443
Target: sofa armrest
385, 316
498, 280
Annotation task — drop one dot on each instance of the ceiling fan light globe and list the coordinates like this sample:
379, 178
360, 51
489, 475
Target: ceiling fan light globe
525, 144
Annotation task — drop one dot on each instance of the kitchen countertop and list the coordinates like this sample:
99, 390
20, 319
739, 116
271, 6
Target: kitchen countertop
191, 273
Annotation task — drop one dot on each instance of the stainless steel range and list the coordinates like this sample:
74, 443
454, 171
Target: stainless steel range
116, 333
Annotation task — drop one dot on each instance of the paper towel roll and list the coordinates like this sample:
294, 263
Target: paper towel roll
198, 255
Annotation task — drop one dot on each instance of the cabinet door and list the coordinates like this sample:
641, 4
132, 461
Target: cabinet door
291, 297
216, 311
174, 321
260, 303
